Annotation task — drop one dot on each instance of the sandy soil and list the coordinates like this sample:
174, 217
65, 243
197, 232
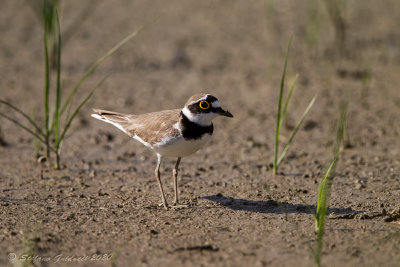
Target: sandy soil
103, 203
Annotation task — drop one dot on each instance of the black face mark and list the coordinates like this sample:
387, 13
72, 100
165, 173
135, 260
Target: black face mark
203, 106
193, 131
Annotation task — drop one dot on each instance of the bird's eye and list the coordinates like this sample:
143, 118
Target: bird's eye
204, 104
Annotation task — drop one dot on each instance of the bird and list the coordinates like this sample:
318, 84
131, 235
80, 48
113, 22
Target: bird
170, 133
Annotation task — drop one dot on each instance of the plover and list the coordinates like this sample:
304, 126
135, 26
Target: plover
170, 133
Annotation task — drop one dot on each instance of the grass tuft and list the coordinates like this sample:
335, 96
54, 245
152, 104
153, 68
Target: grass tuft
324, 189
52, 133
282, 114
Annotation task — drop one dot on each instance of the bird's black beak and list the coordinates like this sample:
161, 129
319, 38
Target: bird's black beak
225, 113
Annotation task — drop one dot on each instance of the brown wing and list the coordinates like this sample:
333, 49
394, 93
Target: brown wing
150, 127
153, 127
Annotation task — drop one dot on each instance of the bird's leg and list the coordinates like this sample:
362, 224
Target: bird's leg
157, 173
175, 178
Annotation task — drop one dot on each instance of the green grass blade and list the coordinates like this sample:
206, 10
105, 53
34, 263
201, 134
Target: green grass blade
322, 209
100, 60
323, 193
325, 186
58, 81
68, 124
40, 138
46, 75
321, 190
292, 135
278, 116
288, 97
26, 116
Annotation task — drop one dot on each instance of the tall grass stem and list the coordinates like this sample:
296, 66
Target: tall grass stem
58, 91
278, 119
46, 80
292, 135
288, 97
282, 114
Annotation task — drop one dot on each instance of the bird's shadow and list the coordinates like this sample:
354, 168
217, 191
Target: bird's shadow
272, 206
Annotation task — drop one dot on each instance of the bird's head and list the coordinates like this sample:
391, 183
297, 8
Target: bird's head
203, 108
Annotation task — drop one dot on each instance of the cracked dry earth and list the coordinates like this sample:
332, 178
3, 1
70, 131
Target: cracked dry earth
102, 208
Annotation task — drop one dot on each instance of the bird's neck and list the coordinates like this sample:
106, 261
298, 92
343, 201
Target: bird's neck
202, 119
192, 130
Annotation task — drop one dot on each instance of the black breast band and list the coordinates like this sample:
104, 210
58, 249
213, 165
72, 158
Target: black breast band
194, 131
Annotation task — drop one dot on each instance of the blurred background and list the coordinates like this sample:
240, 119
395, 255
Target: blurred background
342, 51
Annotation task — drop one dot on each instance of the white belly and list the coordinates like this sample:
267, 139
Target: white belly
179, 147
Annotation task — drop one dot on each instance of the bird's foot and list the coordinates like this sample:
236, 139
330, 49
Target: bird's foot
176, 205
164, 204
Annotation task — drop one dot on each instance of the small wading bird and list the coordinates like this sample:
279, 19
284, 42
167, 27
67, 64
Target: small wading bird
170, 133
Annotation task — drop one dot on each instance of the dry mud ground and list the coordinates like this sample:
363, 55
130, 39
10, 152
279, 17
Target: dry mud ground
104, 200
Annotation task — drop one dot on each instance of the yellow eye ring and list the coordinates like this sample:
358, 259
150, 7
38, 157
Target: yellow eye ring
204, 104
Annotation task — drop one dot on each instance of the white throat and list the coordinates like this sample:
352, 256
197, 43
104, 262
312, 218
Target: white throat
203, 119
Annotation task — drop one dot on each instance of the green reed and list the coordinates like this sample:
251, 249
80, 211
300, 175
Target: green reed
324, 189
52, 133
282, 114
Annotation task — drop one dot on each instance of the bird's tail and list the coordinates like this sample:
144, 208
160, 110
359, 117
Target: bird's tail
119, 120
